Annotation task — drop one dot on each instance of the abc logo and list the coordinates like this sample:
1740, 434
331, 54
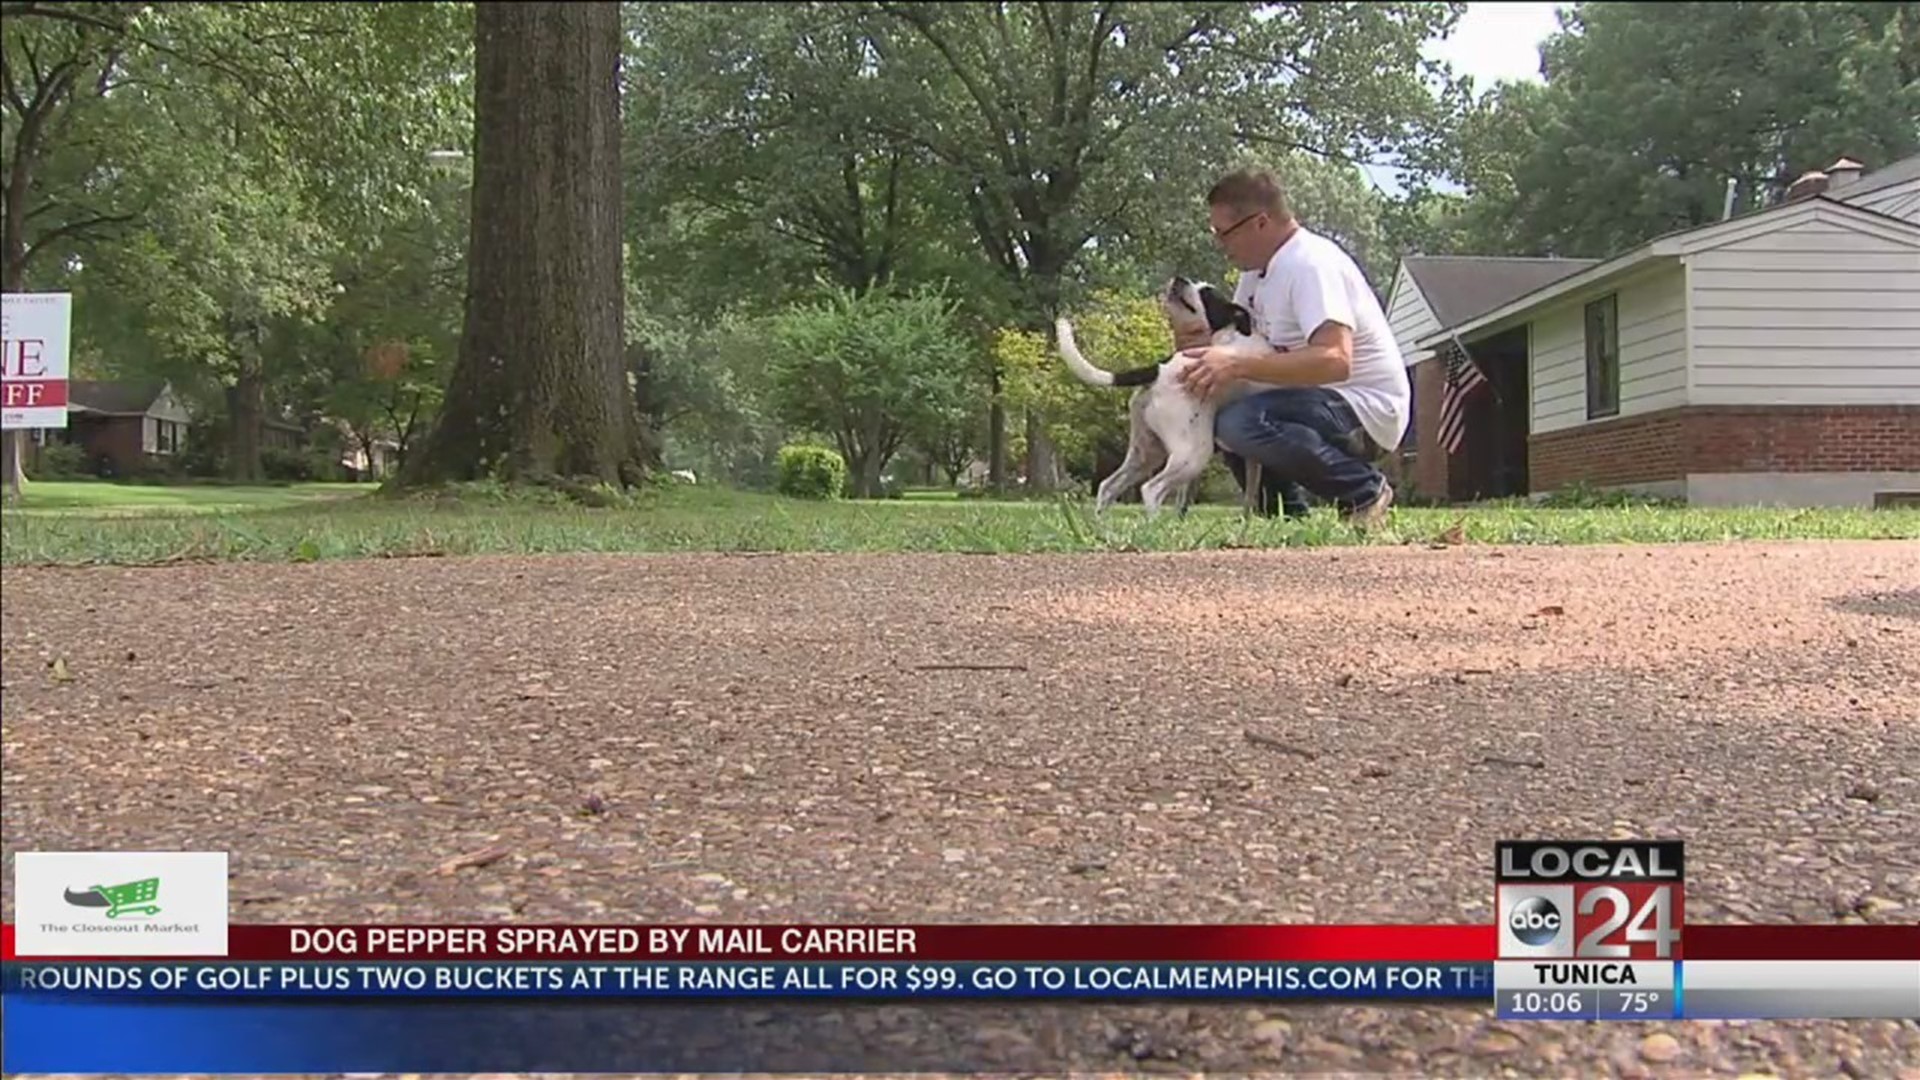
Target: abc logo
1535, 920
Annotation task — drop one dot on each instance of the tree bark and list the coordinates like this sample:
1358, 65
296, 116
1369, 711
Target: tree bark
1043, 284
246, 402
246, 412
14, 449
13, 444
1042, 472
867, 476
13, 279
997, 439
539, 392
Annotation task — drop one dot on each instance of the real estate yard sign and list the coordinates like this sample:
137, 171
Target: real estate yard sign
35, 329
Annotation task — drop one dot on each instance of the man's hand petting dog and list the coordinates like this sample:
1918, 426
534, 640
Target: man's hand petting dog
1214, 367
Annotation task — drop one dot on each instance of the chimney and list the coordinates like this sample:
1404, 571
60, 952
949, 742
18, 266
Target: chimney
1843, 172
1812, 182
1733, 188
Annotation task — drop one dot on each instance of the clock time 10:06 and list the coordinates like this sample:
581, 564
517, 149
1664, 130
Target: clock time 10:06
1549, 1002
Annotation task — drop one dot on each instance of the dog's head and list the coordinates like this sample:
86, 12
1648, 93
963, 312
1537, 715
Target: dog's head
1198, 310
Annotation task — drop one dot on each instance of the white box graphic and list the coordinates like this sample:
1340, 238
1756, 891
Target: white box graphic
120, 903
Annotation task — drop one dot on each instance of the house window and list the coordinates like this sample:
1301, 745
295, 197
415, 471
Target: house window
169, 436
1603, 357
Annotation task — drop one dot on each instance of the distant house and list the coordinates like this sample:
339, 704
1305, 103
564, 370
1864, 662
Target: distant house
364, 460
127, 426
123, 425
277, 434
1770, 358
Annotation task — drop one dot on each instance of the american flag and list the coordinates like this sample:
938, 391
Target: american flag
1462, 379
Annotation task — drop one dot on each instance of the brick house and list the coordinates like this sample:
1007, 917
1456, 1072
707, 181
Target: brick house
122, 425
1772, 357
127, 426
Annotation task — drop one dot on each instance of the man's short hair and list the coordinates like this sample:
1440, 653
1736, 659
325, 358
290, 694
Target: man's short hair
1250, 191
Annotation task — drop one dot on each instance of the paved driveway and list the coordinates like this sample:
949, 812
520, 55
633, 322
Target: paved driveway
1333, 736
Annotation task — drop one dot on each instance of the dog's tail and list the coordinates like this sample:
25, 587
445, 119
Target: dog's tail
1093, 376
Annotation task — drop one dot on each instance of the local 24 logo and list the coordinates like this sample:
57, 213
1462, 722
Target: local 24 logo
1598, 899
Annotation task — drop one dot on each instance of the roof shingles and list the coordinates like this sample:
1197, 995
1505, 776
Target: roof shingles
130, 397
1462, 287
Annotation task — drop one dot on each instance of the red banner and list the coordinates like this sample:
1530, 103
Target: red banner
1357, 944
32, 393
1815, 942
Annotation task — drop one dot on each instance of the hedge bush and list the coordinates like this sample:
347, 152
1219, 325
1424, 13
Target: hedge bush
811, 472
63, 461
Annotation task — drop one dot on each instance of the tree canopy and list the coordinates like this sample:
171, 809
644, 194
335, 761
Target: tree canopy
270, 204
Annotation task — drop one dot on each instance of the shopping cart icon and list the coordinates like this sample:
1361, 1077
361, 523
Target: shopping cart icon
134, 896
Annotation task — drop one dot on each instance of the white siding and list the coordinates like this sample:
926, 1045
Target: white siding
168, 407
167, 414
1821, 312
1653, 351
1410, 317
1558, 370
1896, 200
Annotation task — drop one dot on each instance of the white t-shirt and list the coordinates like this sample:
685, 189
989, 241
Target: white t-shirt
1311, 280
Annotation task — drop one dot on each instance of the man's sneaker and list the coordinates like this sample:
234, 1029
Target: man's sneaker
1374, 514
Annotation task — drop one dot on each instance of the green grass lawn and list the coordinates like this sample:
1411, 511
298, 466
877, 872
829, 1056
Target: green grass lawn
86, 523
146, 500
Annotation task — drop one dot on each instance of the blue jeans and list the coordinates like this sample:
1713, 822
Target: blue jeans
1306, 438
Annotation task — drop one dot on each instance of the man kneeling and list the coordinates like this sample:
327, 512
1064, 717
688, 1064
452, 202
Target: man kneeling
1342, 384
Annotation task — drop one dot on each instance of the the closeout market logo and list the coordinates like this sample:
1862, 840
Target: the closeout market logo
133, 898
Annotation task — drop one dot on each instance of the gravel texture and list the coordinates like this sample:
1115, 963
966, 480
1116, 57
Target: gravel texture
1329, 735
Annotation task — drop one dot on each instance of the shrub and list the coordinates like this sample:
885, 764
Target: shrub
879, 365
63, 461
811, 472
204, 456
280, 463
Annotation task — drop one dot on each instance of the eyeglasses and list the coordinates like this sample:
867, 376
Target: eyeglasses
1222, 234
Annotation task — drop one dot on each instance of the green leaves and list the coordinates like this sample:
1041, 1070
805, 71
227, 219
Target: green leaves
1045, 144
753, 141
867, 370
1650, 109
1117, 332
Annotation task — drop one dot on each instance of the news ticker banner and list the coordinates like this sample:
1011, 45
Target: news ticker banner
1731, 972
1586, 930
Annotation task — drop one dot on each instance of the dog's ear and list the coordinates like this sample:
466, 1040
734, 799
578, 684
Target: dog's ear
1243, 320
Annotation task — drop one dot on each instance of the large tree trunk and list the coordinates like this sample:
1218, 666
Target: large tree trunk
246, 402
997, 440
246, 414
13, 279
539, 392
1042, 470
14, 449
867, 476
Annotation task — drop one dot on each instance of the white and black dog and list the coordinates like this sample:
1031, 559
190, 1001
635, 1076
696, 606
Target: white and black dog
1172, 429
